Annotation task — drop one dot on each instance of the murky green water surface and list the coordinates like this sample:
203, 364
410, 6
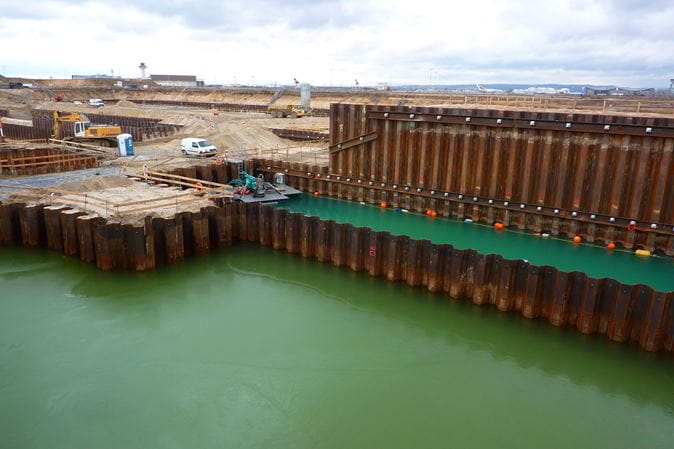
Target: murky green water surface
598, 262
252, 348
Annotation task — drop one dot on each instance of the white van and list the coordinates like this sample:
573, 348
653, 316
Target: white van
198, 147
96, 102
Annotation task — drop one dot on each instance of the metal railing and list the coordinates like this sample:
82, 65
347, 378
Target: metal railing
301, 154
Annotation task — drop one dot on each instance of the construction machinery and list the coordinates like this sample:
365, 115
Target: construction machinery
249, 189
84, 131
291, 111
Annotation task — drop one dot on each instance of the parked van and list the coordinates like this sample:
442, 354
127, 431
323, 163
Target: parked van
96, 102
198, 147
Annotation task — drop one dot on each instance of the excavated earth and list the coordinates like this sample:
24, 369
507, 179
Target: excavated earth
104, 193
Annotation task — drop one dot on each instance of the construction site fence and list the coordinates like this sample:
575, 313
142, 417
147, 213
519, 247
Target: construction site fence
316, 155
644, 105
624, 313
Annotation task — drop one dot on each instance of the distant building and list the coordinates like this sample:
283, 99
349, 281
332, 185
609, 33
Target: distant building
619, 91
177, 80
97, 76
534, 90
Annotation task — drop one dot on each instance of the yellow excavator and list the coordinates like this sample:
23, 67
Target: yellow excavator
84, 131
290, 111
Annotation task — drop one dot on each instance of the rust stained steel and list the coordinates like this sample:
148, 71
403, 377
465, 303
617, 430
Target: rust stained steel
533, 217
22, 162
353, 142
609, 167
25, 133
228, 107
526, 123
139, 127
225, 107
623, 313
300, 134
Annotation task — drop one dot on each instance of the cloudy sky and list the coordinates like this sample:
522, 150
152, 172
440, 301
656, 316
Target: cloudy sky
625, 42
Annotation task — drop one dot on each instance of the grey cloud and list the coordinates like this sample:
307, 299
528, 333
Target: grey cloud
234, 16
22, 10
215, 15
603, 37
639, 5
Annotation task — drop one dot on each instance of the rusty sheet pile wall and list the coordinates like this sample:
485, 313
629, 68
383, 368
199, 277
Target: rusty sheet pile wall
38, 161
222, 173
225, 107
22, 132
623, 313
300, 134
313, 178
600, 170
140, 128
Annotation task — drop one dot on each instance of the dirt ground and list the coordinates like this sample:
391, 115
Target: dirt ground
18, 102
112, 197
82, 90
240, 134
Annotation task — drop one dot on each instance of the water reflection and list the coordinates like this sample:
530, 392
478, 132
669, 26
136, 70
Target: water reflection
596, 261
616, 369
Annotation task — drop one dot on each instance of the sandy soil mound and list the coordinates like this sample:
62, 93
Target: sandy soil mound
118, 198
97, 183
126, 104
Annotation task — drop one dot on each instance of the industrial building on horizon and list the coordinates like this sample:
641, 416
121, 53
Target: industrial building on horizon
177, 80
619, 91
96, 76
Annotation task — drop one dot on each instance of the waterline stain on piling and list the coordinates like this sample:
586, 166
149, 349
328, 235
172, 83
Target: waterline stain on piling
595, 261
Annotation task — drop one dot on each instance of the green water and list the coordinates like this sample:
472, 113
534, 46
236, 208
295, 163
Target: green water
252, 348
598, 262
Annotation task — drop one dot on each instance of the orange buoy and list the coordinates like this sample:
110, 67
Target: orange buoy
428, 212
577, 239
498, 226
316, 193
611, 245
383, 205
434, 214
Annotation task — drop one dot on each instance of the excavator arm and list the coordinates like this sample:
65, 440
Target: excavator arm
70, 117
84, 131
